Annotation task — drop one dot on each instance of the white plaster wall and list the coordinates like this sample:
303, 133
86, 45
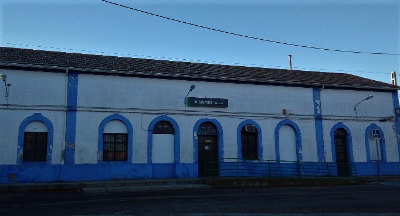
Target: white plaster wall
9, 127
335, 102
167, 96
339, 105
287, 144
31, 88
374, 149
36, 126
163, 148
35, 88
391, 146
115, 126
87, 131
357, 130
123, 92
268, 136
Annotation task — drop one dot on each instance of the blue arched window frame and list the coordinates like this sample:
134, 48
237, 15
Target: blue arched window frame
259, 138
297, 133
50, 134
176, 138
196, 141
349, 144
130, 137
381, 142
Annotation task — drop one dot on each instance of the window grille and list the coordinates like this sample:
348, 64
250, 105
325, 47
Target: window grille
115, 147
163, 127
249, 142
207, 128
35, 147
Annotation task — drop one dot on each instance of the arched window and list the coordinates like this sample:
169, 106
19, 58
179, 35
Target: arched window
35, 142
207, 128
249, 140
163, 127
115, 141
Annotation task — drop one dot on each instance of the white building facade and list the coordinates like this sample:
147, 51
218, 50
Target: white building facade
76, 117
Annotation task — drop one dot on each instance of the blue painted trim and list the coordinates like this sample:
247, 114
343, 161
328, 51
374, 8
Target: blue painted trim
50, 134
259, 138
196, 141
130, 137
70, 133
349, 142
297, 133
176, 138
42, 172
318, 124
395, 98
381, 142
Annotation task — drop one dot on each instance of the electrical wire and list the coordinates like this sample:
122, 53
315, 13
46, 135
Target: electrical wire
248, 36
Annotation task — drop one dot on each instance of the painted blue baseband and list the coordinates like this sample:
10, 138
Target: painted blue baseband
376, 169
41, 172
186, 170
163, 170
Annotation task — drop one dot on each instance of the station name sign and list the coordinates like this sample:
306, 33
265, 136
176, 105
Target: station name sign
207, 102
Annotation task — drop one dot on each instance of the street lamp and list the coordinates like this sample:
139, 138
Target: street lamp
191, 89
7, 85
367, 98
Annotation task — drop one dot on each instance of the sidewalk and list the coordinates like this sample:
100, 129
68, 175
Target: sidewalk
107, 186
176, 184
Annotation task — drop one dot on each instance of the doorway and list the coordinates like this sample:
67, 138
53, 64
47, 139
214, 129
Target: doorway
207, 149
341, 152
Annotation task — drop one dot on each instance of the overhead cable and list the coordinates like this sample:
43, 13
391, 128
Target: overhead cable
248, 36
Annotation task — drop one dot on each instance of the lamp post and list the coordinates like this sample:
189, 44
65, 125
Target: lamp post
7, 85
367, 98
191, 89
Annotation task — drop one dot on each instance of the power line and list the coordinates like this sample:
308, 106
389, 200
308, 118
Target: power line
190, 60
248, 36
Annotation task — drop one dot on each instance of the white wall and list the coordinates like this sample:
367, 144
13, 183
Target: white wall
338, 106
287, 143
141, 100
123, 92
28, 91
341, 103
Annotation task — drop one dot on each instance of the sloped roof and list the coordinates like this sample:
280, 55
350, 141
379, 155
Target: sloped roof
182, 70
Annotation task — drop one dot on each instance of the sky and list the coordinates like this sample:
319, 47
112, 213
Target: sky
97, 27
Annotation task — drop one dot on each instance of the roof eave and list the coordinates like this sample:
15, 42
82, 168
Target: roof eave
183, 76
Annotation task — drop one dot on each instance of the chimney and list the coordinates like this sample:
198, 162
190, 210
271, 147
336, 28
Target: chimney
394, 79
290, 62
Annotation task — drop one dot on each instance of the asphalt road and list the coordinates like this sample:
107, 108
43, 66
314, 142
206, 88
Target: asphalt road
333, 200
